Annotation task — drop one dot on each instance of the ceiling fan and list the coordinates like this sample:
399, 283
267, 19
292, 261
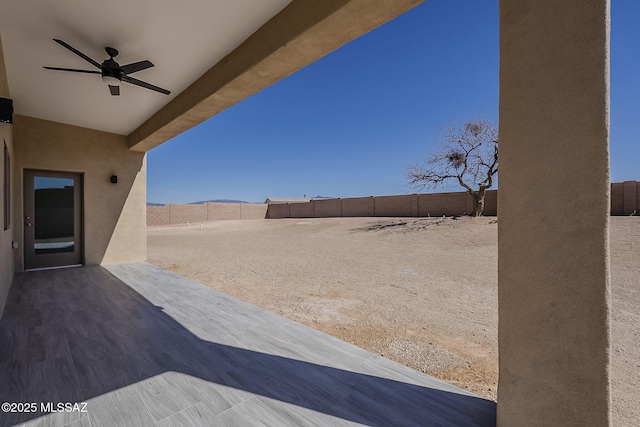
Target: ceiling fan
112, 72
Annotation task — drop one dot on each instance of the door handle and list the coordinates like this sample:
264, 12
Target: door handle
28, 224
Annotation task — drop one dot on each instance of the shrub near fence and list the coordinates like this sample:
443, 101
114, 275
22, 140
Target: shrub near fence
625, 200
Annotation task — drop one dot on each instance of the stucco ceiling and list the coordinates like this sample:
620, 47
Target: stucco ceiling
183, 38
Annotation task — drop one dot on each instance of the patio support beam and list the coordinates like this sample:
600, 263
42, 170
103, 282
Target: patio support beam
300, 34
553, 238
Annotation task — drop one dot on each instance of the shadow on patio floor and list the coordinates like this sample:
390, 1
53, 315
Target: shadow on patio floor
145, 347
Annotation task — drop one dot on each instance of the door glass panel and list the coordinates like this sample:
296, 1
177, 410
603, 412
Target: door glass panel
53, 216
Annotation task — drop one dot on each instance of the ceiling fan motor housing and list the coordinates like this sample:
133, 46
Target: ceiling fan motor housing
110, 68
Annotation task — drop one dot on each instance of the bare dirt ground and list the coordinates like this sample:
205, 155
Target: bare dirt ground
420, 291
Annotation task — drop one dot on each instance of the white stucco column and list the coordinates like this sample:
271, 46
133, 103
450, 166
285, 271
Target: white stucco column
553, 213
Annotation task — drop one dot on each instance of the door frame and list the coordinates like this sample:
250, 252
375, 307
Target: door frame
33, 261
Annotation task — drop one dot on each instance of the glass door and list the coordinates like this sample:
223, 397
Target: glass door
53, 220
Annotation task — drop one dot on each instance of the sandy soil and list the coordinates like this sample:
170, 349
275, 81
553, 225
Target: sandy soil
420, 291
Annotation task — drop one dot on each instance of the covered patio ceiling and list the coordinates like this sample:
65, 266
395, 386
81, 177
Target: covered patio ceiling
210, 54
182, 42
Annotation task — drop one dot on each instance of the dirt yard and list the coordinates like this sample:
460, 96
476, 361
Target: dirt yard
420, 291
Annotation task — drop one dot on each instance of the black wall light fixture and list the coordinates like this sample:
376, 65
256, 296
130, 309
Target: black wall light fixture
114, 179
6, 110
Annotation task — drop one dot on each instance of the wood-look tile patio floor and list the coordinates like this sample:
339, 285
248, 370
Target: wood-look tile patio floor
145, 347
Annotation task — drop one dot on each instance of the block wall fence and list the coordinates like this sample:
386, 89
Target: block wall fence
625, 200
182, 214
410, 205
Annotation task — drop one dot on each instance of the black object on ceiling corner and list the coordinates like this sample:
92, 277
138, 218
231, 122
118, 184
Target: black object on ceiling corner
114, 179
6, 110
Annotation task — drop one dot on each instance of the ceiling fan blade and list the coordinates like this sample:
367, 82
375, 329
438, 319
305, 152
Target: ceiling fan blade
136, 66
73, 69
115, 90
144, 84
77, 52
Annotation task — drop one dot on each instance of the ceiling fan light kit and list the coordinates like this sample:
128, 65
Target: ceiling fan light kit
111, 72
111, 80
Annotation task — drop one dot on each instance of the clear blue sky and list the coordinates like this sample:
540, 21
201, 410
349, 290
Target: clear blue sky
348, 124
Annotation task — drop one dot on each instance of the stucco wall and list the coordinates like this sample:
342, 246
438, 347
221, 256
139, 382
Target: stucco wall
4, 84
553, 232
114, 219
6, 236
6, 253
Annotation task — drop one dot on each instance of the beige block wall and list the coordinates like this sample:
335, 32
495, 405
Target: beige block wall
279, 210
182, 214
617, 198
253, 211
358, 206
490, 203
437, 204
224, 211
158, 215
396, 205
114, 219
434, 204
301, 210
326, 208
630, 198
625, 198
422, 205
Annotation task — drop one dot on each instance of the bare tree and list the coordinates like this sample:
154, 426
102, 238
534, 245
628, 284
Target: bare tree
469, 154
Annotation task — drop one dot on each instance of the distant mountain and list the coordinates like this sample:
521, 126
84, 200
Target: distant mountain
217, 201
202, 202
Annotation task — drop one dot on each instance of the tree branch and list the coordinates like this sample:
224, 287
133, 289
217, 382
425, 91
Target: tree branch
468, 154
